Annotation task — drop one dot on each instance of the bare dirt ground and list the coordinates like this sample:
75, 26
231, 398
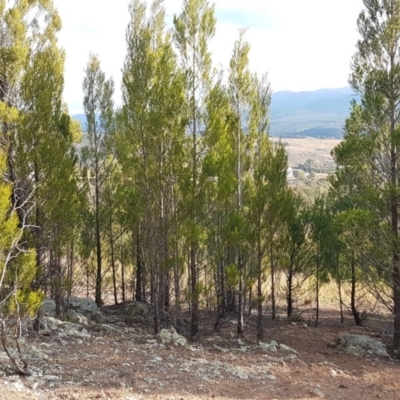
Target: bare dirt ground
125, 362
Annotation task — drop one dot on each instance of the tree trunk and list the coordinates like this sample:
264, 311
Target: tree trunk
139, 270
99, 279
70, 269
289, 296
122, 272
114, 272
273, 300
155, 302
194, 326
317, 293
240, 295
260, 325
396, 251
339, 283
354, 310
177, 287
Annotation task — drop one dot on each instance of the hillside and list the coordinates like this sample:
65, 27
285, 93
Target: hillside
320, 113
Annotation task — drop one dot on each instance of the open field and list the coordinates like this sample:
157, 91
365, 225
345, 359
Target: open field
301, 149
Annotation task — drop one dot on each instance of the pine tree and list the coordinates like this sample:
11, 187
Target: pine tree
99, 110
194, 28
150, 150
372, 147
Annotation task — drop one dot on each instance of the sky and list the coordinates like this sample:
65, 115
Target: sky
303, 45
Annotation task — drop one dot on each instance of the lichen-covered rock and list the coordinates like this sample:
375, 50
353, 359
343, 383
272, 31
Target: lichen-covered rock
288, 349
48, 307
52, 323
97, 316
138, 308
360, 344
77, 318
272, 346
82, 305
171, 336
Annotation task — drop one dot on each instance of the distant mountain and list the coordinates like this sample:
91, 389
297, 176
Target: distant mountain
320, 113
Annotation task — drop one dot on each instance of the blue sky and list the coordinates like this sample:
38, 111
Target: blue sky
302, 44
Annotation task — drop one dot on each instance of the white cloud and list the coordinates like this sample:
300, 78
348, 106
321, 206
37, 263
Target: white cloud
304, 45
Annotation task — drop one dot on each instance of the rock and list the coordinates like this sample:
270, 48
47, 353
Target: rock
240, 373
138, 308
77, 318
360, 345
318, 393
171, 336
48, 307
62, 328
98, 316
52, 323
107, 328
288, 349
76, 330
269, 346
51, 378
82, 304
34, 352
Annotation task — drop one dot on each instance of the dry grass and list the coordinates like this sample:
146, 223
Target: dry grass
302, 149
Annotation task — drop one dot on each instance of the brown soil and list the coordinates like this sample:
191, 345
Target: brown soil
128, 364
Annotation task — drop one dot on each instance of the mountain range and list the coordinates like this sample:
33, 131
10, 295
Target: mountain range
319, 113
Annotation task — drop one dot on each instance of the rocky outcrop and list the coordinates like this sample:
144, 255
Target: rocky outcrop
82, 305
171, 336
77, 318
53, 326
48, 307
358, 345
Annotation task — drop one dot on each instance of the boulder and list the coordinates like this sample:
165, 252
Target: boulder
82, 305
48, 307
51, 323
98, 317
63, 328
272, 346
138, 308
360, 345
171, 336
77, 318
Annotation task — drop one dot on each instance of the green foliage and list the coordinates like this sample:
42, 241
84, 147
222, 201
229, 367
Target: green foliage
17, 267
25, 303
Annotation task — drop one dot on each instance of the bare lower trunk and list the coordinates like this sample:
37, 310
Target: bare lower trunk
396, 298
273, 300
260, 327
240, 296
177, 287
289, 296
123, 276
194, 326
114, 272
139, 270
317, 295
155, 302
354, 310
339, 283
221, 295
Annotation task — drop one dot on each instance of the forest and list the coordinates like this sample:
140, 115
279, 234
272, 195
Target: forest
178, 198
